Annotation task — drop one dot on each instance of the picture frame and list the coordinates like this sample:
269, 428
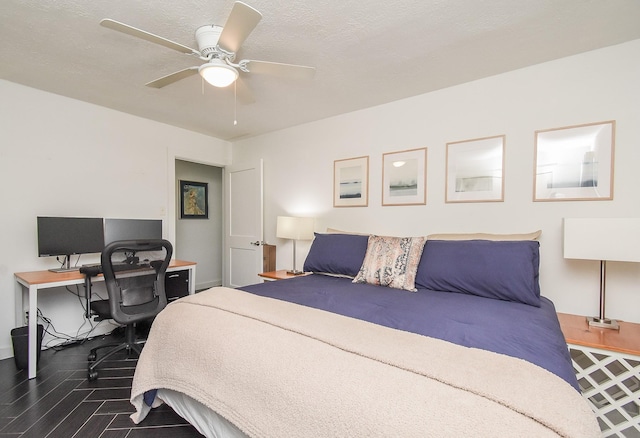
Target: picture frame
404, 177
351, 182
475, 170
194, 200
574, 163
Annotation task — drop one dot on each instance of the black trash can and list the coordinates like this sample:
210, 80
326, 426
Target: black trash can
20, 339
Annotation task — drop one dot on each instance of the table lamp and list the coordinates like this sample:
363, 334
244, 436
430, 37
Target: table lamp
296, 228
605, 239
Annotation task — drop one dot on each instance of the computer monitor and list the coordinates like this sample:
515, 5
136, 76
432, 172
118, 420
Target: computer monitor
131, 229
63, 236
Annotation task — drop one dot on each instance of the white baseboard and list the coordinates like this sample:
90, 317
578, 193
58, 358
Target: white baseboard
6, 352
208, 285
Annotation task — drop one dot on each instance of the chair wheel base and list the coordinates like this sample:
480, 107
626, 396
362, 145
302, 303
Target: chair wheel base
92, 356
92, 376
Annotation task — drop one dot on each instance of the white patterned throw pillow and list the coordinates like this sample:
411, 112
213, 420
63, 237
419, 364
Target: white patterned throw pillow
391, 262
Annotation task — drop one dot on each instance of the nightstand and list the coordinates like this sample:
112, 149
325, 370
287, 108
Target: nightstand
607, 365
279, 275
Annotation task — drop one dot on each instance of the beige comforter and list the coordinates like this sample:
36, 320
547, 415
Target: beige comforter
276, 369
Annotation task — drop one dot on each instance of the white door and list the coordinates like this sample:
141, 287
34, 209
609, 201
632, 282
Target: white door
243, 224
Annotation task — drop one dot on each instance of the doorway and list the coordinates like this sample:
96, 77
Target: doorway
201, 240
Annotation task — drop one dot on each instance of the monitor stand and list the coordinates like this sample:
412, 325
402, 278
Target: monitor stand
66, 266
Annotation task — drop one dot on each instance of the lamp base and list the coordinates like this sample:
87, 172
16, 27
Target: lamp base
295, 272
603, 323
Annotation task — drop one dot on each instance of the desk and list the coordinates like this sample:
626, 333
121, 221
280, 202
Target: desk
32, 282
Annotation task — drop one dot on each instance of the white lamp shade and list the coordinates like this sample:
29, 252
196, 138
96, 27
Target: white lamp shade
297, 228
218, 73
612, 239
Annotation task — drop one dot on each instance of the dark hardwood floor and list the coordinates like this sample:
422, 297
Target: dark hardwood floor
61, 402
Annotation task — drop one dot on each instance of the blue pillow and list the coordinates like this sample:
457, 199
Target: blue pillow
340, 254
504, 270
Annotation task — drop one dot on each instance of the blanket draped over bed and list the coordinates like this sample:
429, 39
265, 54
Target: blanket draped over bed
277, 369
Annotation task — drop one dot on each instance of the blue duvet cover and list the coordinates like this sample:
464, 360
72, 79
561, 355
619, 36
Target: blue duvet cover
515, 329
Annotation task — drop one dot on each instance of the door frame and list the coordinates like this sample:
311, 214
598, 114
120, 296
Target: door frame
168, 214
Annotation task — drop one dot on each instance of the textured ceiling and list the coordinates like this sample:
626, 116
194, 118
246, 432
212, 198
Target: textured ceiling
366, 52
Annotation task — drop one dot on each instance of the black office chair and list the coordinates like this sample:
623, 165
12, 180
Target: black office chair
134, 275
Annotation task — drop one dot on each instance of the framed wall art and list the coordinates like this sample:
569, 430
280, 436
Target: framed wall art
574, 163
404, 177
194, 200
475, 170
351, 182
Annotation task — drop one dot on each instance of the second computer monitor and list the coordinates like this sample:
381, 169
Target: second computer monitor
131, 229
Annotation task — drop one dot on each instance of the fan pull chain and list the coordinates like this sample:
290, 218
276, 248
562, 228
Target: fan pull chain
235, 103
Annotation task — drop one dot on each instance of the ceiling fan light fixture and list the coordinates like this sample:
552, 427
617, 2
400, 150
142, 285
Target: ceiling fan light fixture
218, 73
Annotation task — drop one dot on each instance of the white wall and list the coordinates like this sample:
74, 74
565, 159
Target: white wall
64, 157
591, 87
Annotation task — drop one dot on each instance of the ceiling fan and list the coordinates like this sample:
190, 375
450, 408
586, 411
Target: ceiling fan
217, 46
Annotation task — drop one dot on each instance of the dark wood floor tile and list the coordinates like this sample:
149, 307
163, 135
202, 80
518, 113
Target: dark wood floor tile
80, 365
28, 415
110, 394
116, 407
7, 369
71, 356
4, 421
122, 421
105, 373
35, 387
118, 382
28, 390
5, 412
80, 374
157, 417
115, 433
60, 402
51, 419
117, 364
181, 431
75, 420
94, 427
35, 390
10, 379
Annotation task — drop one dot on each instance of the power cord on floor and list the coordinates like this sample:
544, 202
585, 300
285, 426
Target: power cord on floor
67, 340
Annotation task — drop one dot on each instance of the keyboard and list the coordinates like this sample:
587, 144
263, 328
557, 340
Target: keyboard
118, 267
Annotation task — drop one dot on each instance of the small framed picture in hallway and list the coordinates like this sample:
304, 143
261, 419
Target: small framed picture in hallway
194, 200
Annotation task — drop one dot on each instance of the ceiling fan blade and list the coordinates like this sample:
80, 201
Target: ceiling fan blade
241, 22
276, 68
244, 93
173, 77
130, 30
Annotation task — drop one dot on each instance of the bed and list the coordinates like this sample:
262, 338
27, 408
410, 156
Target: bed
439, 336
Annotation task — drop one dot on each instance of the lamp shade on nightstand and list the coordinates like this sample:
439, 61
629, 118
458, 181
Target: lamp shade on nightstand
613, 239
604, 239
296, 228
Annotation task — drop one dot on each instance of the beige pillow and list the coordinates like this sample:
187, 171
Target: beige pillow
391, 262
334, 231
485, 236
